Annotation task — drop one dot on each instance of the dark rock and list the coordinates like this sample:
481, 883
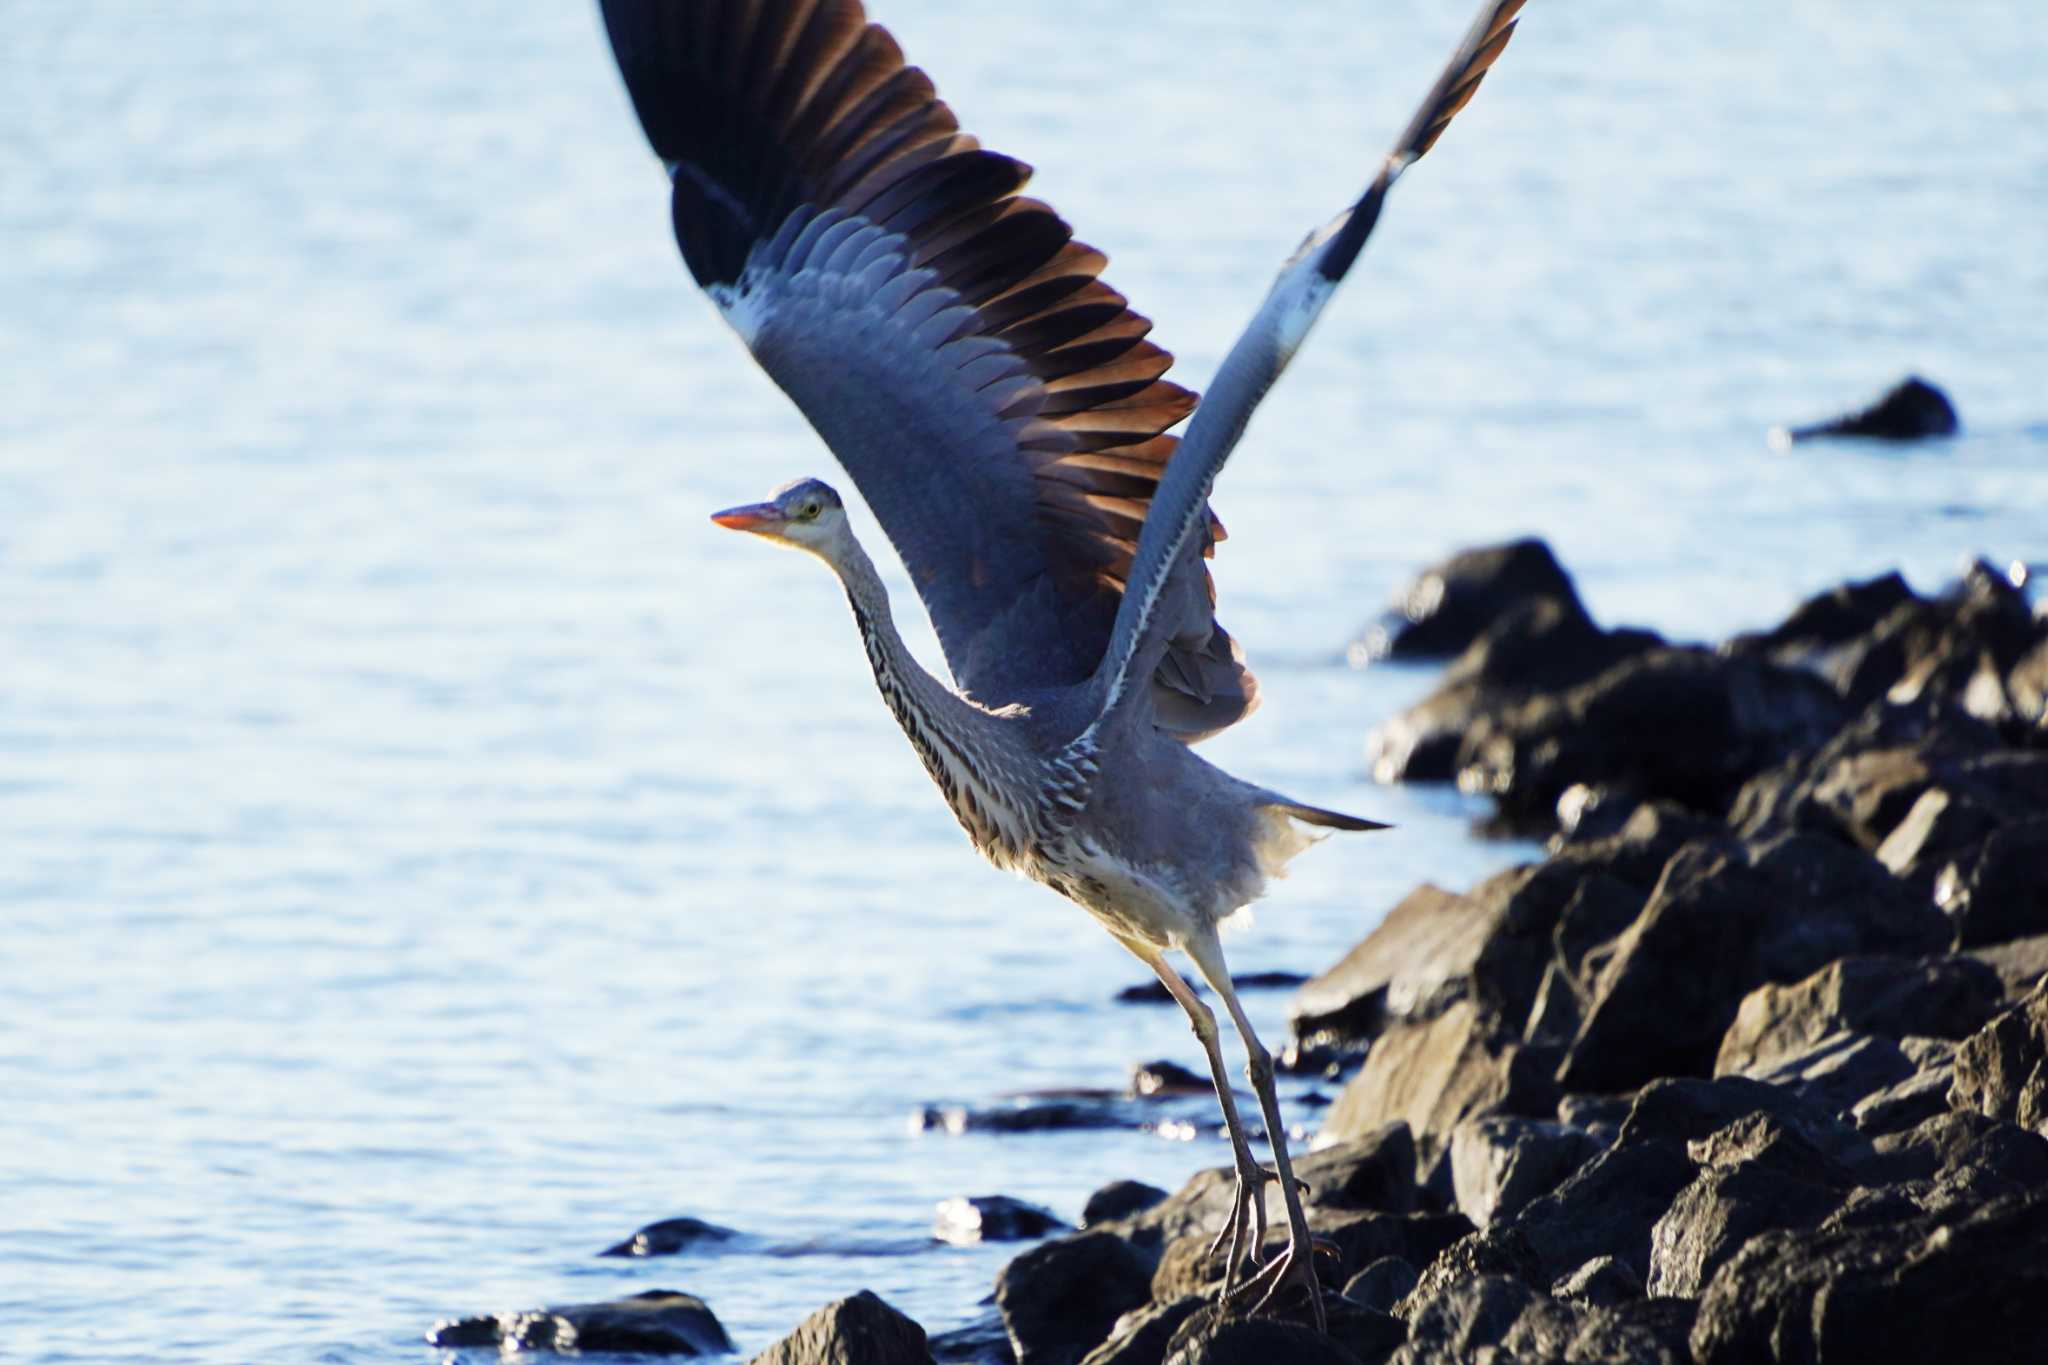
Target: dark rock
1768, 1142
2021, 964
1155, 992
1540, 647
1142, 1335
1822, 624
671, 1235
1383, 1284
1723, 1208
1680, 724
1448, 605
983, 1341
1364, 1238
1499, 1165
1060, 1300
1892, 997
861, 1330
1941, 826
1211, 1336
2002, 1071
1049, 1112
1840, 1071
1904, 1104
1495, 1251
964, 1221
1961, 1285
1369, 1334
1909, 410
1434, 1076
1602, 1282
1499, 1318
1963, 1151
1199, 1206
1999, 892
1120, 1199
1375, 1171
1167, 1078
1722, 921
1413, 965
1607, 1208
1687, 1109
660, 1322
1187, 1268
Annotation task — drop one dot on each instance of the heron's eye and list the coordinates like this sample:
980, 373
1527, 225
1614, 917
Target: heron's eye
810, 511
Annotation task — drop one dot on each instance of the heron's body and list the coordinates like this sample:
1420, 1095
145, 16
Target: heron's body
1007, 421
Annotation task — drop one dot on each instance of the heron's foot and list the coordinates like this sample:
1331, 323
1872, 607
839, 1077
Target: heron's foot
1275, 1285
1245, 1231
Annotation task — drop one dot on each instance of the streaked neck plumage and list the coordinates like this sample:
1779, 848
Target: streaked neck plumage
981, 759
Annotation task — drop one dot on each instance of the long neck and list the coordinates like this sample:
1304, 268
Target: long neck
974, 756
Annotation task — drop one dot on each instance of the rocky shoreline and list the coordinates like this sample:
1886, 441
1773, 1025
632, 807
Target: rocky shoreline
1752, 1066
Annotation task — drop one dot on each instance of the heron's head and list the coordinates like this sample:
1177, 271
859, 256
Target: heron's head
805, 515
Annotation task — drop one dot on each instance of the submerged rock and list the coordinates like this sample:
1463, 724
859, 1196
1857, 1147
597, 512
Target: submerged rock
964, 1221
661, 1322
672, 1235
1909, 410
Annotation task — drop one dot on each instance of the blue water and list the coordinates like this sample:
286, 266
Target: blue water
428, 850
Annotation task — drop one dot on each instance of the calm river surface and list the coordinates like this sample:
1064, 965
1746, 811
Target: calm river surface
429, 849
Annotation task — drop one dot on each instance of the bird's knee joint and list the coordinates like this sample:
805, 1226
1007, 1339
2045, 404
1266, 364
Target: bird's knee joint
1258, 1063
1203, 1021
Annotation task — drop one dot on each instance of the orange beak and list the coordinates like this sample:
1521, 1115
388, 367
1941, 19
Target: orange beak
760, 516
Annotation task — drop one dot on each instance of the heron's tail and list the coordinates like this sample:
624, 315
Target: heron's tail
1328, 819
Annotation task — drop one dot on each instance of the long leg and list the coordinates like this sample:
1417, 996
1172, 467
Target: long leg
1297, 1262
1246, 1228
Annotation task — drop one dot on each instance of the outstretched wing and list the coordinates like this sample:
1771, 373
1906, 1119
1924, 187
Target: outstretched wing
996, 402
1262, 351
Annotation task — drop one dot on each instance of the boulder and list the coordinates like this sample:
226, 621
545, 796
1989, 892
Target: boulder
1435, 1075
983, 1341
1607, 1208
1450, 604
1375, 1171
1961, 1153
1948, 997
1602, 1282
1680, 724
1819, 627
1726, 1205
1141, 1336
1499, 1165
1724, 920
1120, 1199
965, 1220
1999, 890
1839, 1071
1414, 964
670, 1236
2021, 964
1383, 1284
659, 1322
1211, 1336
1493, 1317
2002, 1070
1910, 410
1961, 1284
861, 1330
1060, 1300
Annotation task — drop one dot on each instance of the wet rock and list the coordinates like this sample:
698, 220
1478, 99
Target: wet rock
1120, 1199
660, 1322
1211, 1336
2002, 1071
1383, 1284
1674, 723
1059, 1301
1413, 965
1888, 996
1067, 1111
1142, 1335
1960, 1284
1602, 1282
1499, 1165
983, 1341
1167, 1078
1999, 891
1909, 410
1433, 1076
860, 1330
965, 1220
1449, 604
670, 1236
1724, 920
1539, 648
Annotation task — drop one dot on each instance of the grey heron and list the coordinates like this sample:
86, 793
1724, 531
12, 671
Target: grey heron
1005, 417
